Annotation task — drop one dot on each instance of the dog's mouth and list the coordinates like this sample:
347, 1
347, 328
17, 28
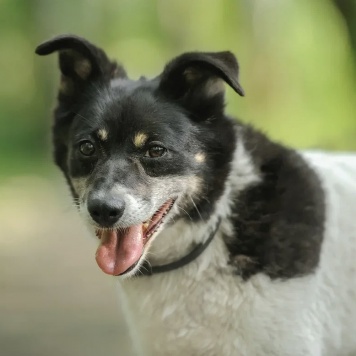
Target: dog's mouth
121, 249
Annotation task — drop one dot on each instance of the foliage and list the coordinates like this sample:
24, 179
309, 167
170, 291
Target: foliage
297, 65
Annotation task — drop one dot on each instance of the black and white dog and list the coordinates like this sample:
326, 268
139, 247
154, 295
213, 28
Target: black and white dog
238, 246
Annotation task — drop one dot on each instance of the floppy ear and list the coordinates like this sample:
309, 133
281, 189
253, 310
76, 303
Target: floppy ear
80, 63
196, 80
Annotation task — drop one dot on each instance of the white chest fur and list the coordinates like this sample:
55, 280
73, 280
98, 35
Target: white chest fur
213, 312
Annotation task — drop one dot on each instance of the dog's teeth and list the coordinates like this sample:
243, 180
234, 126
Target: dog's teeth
145, 225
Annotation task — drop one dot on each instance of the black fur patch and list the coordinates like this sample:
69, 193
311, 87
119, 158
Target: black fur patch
279, 223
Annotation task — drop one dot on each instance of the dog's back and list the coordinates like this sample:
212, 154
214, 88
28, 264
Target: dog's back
335, 277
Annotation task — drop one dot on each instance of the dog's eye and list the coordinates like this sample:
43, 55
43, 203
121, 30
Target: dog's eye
86, 148
155, 152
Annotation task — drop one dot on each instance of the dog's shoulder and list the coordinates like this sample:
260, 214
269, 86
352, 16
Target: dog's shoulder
278, 221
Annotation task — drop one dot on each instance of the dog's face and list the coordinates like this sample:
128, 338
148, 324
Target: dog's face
139, 155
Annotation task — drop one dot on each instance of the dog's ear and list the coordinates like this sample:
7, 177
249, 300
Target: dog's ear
197, 80
80, 63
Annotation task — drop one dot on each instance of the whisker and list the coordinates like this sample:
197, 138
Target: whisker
196, 208
143, 266
179, 207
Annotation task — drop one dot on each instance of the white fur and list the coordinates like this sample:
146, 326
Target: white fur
204, 309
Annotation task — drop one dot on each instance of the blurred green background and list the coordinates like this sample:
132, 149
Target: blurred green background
297, 60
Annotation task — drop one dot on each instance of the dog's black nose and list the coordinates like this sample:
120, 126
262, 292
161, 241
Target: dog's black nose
106, 210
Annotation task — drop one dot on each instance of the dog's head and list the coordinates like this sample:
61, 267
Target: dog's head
140, 154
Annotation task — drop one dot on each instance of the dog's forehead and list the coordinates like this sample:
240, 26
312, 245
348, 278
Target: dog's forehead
130, 110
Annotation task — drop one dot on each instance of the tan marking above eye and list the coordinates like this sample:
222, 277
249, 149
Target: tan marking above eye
140, 139
200, 157
102, 134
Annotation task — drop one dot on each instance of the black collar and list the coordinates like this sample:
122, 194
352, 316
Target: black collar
147, 270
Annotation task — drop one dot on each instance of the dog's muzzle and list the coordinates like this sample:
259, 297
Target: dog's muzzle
120, 249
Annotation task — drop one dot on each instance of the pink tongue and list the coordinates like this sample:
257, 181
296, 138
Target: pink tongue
116, 254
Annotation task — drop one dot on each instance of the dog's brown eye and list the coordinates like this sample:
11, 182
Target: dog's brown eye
155, 152
87, 148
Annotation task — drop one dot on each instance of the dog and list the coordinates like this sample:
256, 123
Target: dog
223, 241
